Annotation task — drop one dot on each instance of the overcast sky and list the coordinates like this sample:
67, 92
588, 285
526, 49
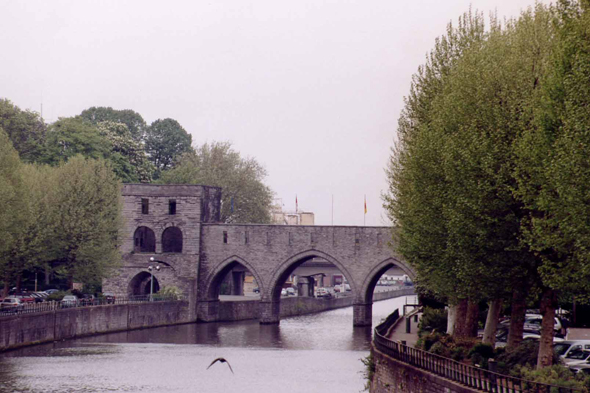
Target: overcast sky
312, 89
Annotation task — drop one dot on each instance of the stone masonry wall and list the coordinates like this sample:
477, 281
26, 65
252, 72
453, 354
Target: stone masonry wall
27, 329
292, 306
393, 376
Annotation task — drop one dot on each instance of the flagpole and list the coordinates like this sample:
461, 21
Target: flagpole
365, 214
332, 209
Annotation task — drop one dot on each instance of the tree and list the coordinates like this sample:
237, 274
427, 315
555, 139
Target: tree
245, 198
86, 219
129, 160
553, 169
165, 142
131, 119
11, 199
25, 129
69, 137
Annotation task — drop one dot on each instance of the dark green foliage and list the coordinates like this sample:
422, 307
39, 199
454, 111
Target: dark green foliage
165, 142
480, 354
523, 355
131, 119
557, 375
369, 371
432, 320
25, 129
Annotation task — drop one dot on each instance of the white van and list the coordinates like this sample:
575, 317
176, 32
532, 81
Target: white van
563, 348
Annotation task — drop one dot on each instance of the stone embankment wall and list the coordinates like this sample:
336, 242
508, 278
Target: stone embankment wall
26, 329
293, 306
393, 376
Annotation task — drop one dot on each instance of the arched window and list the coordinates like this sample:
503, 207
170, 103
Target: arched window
172, 240
144, 240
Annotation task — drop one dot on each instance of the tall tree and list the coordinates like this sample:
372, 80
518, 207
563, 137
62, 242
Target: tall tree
131, 119
86, 220
165, 142
245, 197
553, 168
12, 213
129, 160
69, 137
25, 129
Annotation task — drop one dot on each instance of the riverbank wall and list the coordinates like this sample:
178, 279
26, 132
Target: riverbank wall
28, 329
294, 306
393, 376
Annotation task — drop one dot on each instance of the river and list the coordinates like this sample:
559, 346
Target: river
312, 353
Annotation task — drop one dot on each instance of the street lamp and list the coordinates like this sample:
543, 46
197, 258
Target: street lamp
151, 269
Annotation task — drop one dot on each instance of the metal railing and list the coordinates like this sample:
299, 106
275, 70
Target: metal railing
32, 308
473, 377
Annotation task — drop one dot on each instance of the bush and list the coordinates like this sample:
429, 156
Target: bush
555, 375
524, 355
57, 296
432, 319
168, 293
480, 354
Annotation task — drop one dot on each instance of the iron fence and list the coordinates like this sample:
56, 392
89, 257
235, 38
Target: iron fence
471, 376
32, 308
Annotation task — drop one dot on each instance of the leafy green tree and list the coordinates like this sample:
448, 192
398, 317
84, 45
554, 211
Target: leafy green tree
11, 200
25, 129
245, 198
130, 161
165, 142
69, 137
86, 218
553, 169
131, 119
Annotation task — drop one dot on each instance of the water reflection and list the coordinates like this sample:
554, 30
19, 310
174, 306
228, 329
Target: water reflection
320, 350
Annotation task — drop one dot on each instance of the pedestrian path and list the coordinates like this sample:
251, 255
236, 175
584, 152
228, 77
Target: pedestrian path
398, 333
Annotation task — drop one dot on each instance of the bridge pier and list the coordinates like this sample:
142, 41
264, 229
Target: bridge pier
269, 312
362, 314
237, 284
208, 310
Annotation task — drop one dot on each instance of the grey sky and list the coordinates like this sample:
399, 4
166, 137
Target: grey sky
312, 89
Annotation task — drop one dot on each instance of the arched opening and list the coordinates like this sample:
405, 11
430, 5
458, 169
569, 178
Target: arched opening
389, 279
234, 280
172, 240
311, 273
141, 285
144, 240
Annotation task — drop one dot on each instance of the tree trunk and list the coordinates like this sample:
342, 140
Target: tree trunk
451, 316
460, 327
19, 282
517, 317
548, 304
46, 276
472, 319
489, 334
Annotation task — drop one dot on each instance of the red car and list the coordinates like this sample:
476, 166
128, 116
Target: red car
25, 298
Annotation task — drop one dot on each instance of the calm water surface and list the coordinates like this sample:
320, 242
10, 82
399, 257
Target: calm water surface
312, 353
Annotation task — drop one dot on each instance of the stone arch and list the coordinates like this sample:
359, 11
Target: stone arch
140, 284
289, 265
366, 293
172, 240
214, 278
144, 240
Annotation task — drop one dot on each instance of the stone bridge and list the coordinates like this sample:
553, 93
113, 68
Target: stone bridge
178, 226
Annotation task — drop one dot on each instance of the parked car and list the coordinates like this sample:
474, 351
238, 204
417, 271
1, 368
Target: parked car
25, 297
563, 348
283, 292
291, 291
576, 357
69, 301
12, 304
323, 292
87, 300
109, 297
39, 296
51, 291
256, 290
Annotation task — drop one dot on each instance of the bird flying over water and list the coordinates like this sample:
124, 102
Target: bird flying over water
221, 360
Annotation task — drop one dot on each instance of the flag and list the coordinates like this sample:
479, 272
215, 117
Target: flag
365, 204
296, 204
